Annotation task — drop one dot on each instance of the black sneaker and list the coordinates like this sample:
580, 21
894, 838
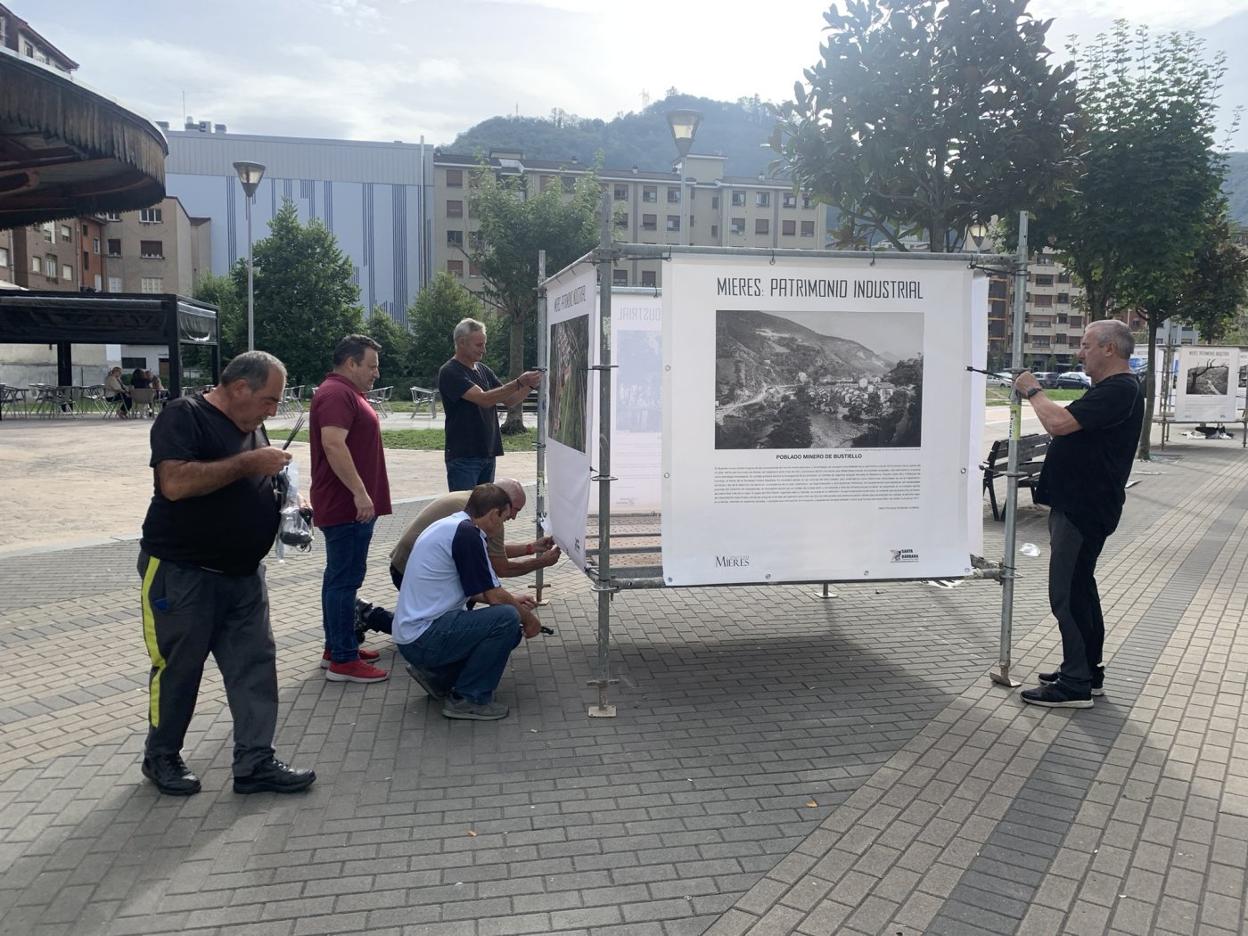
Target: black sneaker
1056, 696
170, 775
1098, 679
275, 777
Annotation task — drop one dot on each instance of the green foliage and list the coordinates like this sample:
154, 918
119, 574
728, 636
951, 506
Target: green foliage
231, 311
395, 341
441, 305
922, 116
1217, 287
304, 298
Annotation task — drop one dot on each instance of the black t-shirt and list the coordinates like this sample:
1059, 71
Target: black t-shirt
471, 430
229, 530
1085, 473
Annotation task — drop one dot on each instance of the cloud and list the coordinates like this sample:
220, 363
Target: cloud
1158, 14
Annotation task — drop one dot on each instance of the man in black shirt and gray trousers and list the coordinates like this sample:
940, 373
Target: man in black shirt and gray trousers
469, 392
1084, 482
212, 519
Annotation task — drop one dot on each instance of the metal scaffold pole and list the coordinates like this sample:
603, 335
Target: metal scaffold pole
540, 516
1001, 675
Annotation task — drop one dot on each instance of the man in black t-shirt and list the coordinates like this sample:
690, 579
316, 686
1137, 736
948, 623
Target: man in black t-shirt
212, 519
1083, 481
470, 391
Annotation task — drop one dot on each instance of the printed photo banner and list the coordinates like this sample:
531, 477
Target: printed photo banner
817, 419
1208, 385
636, 403
571, 348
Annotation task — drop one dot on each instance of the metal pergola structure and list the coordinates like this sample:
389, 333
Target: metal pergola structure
606, 581
65, 319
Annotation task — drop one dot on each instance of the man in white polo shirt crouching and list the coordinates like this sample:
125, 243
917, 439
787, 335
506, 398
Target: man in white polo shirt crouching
456, 654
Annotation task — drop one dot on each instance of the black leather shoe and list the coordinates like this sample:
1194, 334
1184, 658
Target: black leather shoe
170, 775
275, 777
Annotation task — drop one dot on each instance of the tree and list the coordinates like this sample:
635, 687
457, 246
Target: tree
395, 352
515, 225
441, 305
1218, 286
231, 311
305, 300
922, 116
1151, 179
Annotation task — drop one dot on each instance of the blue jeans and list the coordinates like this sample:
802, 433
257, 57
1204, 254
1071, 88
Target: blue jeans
463, 474
346, 559
467, 651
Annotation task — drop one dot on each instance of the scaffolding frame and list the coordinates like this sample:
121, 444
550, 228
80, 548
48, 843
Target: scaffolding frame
606, 584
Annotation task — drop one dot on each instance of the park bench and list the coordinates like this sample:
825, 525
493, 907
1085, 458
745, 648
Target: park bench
1031, 450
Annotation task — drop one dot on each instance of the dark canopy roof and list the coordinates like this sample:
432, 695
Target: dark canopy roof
67, 151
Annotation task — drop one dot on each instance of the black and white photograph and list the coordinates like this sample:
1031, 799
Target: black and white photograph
818, 380
1208, 379
569, 381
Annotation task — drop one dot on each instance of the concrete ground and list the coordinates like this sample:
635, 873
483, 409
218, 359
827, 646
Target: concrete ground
780, 764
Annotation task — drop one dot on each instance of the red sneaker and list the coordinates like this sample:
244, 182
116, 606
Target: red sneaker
368, 656
355, 671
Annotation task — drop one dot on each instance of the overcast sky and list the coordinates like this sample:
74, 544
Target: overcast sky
400, 69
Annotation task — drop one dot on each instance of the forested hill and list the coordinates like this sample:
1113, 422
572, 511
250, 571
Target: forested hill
737, 130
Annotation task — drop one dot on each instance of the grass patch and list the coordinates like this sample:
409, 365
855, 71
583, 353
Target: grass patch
430, 440
1000, 396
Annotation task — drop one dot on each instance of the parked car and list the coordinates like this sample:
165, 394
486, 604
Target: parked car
1001, 379
1047, 379
1074, 380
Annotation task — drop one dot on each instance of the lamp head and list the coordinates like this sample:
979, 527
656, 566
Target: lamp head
249, 174
684, 124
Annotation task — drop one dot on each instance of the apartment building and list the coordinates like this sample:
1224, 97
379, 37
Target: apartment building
160, 249
695, 203
6, 259
1054, 320
19, 37
45, 256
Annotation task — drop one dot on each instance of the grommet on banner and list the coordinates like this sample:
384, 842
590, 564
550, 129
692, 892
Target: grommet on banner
773, 258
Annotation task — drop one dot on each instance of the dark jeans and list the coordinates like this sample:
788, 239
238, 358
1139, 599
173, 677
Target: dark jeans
346, 560
1074, 599
463, 474
467, 651
187, 614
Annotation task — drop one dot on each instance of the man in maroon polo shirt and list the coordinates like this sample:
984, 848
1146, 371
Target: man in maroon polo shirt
349, 492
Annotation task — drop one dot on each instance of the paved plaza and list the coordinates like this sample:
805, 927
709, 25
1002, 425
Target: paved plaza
780, 763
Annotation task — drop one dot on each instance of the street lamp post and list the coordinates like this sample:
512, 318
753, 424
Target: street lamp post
684, 124
249, 174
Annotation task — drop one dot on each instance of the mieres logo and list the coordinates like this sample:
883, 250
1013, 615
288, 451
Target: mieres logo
732, 562
904, 555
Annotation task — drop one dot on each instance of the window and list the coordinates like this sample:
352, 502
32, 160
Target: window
152, 284
455, 209
1043, 302
808, 229
1076, 321
545, 182
50, 266
48, 232
790, 200
114, 284
738, 198
649, 278
1059, 339
152, 250
762, 199
85, 232
98, 285
474, 240
1045, 279
112, 216
86, 261
715, 231
114, 246
714, 203
650, 193
673, 222
619, 277
1063, 298
649, 222
67, 233
36, 264
474, 268
621, 193
788, 228
455, 268
1041, 321
738, 225
673, 196
95, 246
762, 226
454, 238
4, 256
808, 202
1063, 278
454, 178
67, 272
1039, 341
151, 216
568, 183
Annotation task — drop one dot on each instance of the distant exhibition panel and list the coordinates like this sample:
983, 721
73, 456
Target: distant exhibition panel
1208, 384
817, 418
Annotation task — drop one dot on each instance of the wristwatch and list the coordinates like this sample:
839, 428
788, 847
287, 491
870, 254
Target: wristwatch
1033, 391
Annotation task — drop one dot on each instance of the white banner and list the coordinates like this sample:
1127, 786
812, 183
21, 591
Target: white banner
572, 339
978, 386
636, 403
1208, 387
817, 419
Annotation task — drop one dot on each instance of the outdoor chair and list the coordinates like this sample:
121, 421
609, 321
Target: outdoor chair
422, 397
143, 397
379, 399
13, 399
93, 401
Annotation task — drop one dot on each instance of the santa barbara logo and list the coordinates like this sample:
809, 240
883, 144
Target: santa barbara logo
732, 562
904, 555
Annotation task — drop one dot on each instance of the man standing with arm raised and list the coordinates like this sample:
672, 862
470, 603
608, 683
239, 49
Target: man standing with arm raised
212, 519
470, 391
1083, 481
350, 490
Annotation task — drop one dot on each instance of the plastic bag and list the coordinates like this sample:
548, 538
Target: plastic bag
294, 527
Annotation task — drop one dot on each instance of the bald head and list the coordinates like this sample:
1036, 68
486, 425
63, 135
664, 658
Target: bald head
515, 490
